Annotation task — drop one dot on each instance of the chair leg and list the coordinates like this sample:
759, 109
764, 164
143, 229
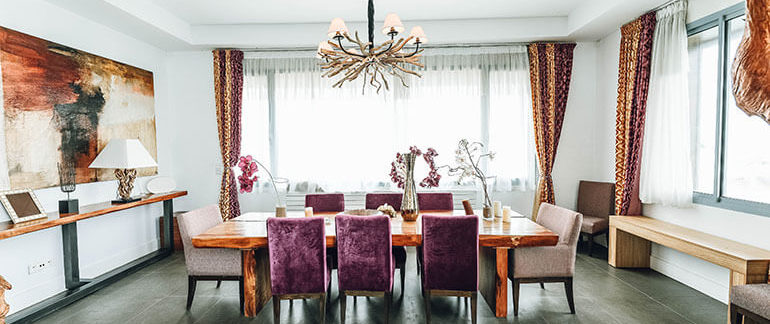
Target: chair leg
343, 300
590, 244
516, 284
388, 300
191, 283
276, 310
403, 277
570, 297
427, 306
474, 297
219, 283
322, 303
542, 285
241, 295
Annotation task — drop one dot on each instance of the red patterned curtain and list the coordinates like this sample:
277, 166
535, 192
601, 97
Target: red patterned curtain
633, 83
550, 71
228, 89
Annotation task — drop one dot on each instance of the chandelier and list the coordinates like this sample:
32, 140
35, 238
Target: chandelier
365, 60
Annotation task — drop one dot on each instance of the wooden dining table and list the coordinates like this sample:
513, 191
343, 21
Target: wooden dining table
248, 233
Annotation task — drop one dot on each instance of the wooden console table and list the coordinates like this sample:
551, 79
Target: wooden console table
77, 287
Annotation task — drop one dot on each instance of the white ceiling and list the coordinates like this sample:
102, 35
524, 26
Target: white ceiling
208, 12
204, 24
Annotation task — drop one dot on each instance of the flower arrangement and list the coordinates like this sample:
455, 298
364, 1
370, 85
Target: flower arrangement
249, 168
398, 170
468, 157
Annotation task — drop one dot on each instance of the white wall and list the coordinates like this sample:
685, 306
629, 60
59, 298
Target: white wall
746, 228
107, 241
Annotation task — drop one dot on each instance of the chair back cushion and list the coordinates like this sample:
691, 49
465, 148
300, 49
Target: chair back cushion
564, 222
196, 222
333, 202
364, 255
297, 249
450, 252
374, 200
596, 198
435, 201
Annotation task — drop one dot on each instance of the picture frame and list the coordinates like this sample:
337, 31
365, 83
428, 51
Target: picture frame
22, 205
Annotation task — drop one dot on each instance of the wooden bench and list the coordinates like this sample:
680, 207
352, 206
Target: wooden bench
630, 238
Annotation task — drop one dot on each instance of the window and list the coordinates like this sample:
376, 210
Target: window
344, 140
731, 170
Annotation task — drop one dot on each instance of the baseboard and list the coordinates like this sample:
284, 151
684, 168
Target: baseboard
118, 259
33, 294
712, 287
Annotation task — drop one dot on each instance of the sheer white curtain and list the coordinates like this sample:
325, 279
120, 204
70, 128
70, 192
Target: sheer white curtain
343, 140
666, 174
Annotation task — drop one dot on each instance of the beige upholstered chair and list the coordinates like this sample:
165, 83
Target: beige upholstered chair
207, 264
596, 202
548, 263
750, 301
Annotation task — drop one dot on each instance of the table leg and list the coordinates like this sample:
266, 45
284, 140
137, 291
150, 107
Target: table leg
493, 279
71, 261
256, 280
168, 226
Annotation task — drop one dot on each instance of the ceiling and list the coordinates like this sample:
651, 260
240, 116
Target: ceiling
203, 24
203, 12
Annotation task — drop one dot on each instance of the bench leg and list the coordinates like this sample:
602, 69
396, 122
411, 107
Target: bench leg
627, 250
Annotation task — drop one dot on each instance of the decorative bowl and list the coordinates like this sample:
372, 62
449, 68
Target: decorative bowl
363, 212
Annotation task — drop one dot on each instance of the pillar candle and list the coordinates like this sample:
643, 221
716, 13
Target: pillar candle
308, 211
507, 214
497, 208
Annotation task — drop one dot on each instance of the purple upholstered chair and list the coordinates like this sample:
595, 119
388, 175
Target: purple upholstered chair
331, 202
298, 268
435, 201
548, 263
207, 264
374, 200
366, 263
451, 258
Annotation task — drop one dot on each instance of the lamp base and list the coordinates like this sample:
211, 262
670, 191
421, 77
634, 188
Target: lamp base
125, 201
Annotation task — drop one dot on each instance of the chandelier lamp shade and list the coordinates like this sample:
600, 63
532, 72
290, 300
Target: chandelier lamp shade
365, 60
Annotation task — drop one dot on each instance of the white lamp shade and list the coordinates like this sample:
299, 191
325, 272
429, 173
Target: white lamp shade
123, 154
418, 34
392, 22
337, 27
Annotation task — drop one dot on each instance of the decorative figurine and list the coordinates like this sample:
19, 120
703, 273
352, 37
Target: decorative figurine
67, 184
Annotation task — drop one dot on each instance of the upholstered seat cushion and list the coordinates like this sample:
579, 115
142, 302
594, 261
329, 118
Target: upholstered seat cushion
206, 262
594, 224
754, 298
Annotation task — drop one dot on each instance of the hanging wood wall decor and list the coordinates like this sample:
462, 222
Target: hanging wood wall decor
751, 68
4, 307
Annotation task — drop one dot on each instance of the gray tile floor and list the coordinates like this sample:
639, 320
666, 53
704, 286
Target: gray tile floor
603, 294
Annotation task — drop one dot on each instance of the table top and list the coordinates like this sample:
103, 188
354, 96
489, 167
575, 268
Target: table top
9, 229
249, 231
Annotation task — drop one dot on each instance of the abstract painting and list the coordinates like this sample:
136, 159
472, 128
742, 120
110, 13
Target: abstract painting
63, 105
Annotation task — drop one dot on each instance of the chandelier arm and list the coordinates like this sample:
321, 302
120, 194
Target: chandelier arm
339, 41
416, 49
389, 46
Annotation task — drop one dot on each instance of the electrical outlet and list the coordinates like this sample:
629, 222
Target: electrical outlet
39, 266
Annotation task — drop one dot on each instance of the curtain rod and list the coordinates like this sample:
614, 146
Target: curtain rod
457, 45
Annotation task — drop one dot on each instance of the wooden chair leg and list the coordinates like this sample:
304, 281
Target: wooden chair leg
570, 296
590, 244
343, 300
403, 277
542, 285
276, 310
191, 283
241, 295
427, 306
474, 297
388, 300
219, 283
735, 317
322, 303
516, 286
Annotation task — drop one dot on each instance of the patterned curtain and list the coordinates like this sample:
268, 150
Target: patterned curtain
228, 88
633, 83
550, 70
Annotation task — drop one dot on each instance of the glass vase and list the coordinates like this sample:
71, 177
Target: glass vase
410, 209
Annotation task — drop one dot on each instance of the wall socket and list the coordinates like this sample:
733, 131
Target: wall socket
39, 266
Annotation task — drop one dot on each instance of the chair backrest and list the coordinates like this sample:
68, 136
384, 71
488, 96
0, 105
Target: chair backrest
331, 202
564, 222
450, 248
196, 222
297, 248
435, 201
374, 200
596, 198
364, 254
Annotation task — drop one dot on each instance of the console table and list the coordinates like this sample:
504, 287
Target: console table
77, 287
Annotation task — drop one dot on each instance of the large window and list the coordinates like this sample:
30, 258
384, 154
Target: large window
344, 140
732, 161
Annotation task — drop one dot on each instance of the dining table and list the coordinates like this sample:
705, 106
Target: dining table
248, 233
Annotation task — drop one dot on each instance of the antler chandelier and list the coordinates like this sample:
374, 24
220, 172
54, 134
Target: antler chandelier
368, 61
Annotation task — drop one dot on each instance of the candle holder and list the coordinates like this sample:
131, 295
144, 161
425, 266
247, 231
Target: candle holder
67, 180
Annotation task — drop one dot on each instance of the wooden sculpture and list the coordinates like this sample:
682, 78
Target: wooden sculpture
4, 307
751, 68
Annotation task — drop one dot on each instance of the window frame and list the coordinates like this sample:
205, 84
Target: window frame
717, 199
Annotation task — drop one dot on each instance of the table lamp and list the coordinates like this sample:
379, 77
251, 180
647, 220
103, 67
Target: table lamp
125, 156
